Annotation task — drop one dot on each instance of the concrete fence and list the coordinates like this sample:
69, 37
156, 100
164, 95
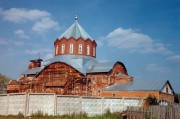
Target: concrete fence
51, 104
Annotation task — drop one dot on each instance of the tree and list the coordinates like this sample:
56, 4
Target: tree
176, 98
151, 100
3, 81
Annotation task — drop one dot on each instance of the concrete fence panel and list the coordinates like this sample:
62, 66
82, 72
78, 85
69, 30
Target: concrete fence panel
131, 102
92, 105
135, 102
68, 105
112, 104
41, 102
51, 104
16, 104
3, 104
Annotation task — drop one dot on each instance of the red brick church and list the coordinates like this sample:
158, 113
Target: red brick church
74, 70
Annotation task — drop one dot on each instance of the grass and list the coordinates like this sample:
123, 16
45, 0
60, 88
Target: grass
82, 115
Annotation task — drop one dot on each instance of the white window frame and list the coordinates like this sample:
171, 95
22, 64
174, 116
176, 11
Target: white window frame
88, 50
94, 51
63, 48
57, 48
80, 49
71, 48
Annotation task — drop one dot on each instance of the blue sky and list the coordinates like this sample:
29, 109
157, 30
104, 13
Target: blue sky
142, 34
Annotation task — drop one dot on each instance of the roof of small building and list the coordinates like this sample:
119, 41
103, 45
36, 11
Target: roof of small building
33, 70
84, 64
75, 31
138, 85
102, 67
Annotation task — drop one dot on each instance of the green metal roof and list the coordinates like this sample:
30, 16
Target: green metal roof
75, 31
84, 64
138, 85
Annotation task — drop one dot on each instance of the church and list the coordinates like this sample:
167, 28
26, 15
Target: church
74, 70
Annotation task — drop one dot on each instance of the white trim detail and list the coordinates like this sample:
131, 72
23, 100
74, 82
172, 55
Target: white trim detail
71, 48
80, 49
63, 48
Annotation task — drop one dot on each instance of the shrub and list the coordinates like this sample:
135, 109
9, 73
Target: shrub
109, 115
151, 100
176, 98
39, 113
20, 115
81, 115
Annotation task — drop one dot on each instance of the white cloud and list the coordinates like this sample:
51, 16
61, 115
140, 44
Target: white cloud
99, 43
44, 25
21, 33
47, 50
19, 43
48, 56
161, 48
175, 58
136, 42
42, 20
156, 68
3, 41
19, 15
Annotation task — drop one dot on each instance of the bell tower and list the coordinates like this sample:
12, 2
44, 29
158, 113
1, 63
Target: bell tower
75, 41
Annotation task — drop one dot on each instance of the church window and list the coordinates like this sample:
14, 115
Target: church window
71, 48
88, 50
80, 49
167, 90
63, 48
57, 50
94, 51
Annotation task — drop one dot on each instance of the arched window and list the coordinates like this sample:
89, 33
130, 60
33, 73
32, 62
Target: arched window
57, 48
63, 48
71, 48
88, 50
94, 51
80, 49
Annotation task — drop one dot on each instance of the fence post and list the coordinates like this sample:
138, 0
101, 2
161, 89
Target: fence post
102, 110
27, 107
80, 104
123, 103
7, 106
55, 105
26, 103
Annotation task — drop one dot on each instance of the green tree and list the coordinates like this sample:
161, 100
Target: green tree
4, 80
151, 100
176, 98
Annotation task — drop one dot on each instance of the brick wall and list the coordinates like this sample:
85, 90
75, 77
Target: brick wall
75, 43
139, 94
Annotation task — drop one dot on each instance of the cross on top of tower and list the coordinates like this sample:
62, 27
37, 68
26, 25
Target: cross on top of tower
76, 16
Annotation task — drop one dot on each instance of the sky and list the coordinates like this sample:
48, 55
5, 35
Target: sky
143, 34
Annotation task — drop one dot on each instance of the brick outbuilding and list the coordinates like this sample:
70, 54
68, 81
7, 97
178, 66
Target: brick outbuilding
162, 90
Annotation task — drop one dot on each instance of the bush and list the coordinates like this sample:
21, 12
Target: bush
20, 115
39, 113
151, 100
176, 98
109, 115
81, 115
